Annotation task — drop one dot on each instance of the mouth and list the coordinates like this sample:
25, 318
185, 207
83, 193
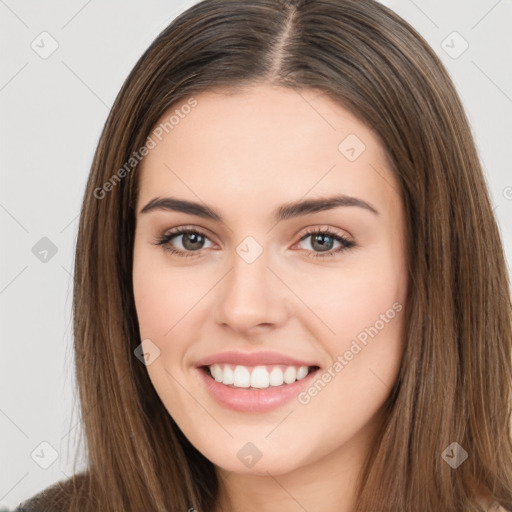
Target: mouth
257, 377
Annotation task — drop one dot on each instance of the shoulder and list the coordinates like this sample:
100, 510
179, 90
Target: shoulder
491, 506
56, 497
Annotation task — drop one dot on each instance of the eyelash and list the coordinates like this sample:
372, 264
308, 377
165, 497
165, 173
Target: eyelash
165, 239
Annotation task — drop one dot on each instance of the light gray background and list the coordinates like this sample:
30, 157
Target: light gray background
52, 113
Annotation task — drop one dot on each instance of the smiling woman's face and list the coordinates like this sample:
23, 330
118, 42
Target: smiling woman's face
324, 285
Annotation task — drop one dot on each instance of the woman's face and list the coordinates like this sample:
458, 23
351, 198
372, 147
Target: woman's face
297, 248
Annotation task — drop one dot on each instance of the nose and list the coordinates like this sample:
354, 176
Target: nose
251, 297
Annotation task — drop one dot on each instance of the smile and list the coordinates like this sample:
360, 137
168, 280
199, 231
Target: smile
272, 393
259, 377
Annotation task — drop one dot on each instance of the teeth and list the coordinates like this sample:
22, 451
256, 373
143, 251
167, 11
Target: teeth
276, 377
241, 377
228, 377
302, 372
290, 375
258, 376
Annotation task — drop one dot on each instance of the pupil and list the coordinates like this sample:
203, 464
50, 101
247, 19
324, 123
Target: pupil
194, 238
323, 245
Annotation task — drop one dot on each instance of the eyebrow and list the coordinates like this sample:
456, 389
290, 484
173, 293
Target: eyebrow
283, 212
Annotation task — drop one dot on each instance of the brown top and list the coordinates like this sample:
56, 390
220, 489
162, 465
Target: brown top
40, 502
34, 504
47, 500
53, 498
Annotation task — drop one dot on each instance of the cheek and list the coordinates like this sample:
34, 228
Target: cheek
349, 300
162, 298
152, 303
366, 311
359, 318
163, 294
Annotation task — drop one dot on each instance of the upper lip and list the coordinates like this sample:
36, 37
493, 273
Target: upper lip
252, 359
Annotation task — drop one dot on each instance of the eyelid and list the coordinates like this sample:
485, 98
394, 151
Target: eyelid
308, 230
321, 228
176, 231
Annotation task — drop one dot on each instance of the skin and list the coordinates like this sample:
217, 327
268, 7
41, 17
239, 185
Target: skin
245, 154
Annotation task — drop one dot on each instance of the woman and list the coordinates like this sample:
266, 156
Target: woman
290, 289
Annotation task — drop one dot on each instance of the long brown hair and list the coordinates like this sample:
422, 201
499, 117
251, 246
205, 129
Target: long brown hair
455, 381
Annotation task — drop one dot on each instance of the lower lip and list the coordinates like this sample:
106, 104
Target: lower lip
254, 400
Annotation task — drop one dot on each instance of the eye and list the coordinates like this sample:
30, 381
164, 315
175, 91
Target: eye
192, 241
324, 240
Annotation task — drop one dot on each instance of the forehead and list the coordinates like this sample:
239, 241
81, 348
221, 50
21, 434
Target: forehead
264, 142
